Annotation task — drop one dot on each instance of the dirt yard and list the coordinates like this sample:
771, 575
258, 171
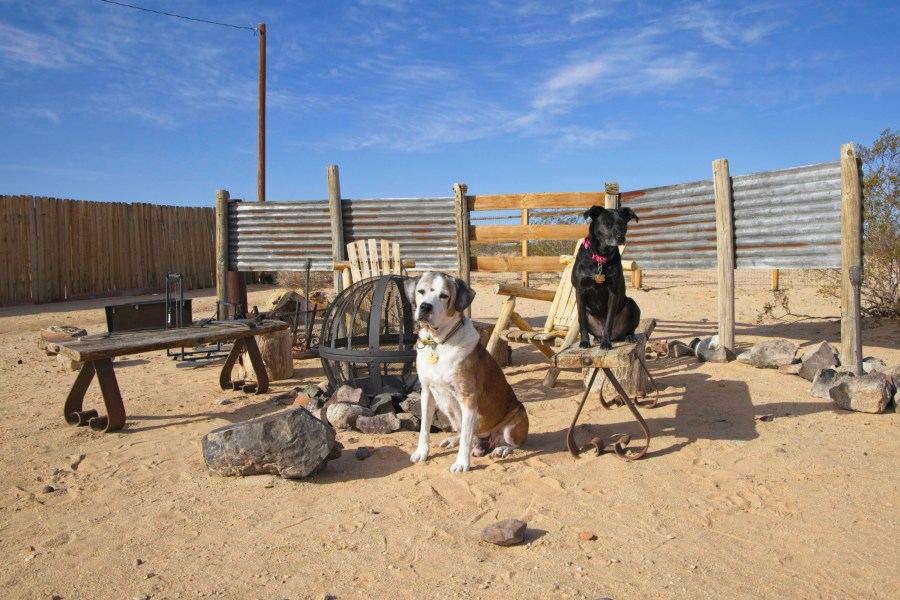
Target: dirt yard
751, 487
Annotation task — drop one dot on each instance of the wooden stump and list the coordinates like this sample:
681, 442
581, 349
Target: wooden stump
633, 378
275, 349
501, 352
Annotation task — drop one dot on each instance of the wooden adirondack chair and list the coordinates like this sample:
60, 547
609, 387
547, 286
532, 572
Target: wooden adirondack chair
560, 329
371, 258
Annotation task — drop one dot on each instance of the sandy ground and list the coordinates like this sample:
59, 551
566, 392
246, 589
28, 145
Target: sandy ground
724, 505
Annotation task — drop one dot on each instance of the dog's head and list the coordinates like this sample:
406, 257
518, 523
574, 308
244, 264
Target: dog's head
437, 298
609, 226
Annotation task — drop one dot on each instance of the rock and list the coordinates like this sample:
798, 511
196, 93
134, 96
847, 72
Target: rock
284, 398
291, 443
382, 403
793, 369
587, 536
305, 401
826, 379
224, 401
362, 453
413, 404
409, 421
897, 401
868, 393
744, 357
344, 416
704, 348
350, 395
55, 333
874, 365
772, 354
721, 354
678, 349
658, 346
505, 533
823, 356
894, 374
383, 423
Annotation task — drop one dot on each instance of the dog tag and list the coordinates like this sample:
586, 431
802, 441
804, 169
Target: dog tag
599, 277
432, 357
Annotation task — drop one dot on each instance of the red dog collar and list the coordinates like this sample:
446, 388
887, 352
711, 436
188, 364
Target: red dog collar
600, 260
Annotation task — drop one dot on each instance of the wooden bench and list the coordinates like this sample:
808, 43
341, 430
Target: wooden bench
97, 351
623, 357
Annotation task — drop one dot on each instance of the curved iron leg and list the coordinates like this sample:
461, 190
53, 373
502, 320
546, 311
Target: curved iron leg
225, 373
72, 410
259, 367
620, 446
570, 435
112, 398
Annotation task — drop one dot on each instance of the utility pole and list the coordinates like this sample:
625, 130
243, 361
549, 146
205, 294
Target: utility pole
261, 171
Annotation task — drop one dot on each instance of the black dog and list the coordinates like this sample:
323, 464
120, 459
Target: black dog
599, 282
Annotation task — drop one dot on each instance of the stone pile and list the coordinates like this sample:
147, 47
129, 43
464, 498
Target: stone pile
350, 408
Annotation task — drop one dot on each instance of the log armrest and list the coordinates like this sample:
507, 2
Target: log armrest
520, 291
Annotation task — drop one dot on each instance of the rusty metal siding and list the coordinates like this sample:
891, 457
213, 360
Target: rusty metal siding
279, 236
424, 227
788, 219
676, 226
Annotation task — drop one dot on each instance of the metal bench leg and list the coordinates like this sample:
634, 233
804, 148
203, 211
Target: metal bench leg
73, 409
259, 367
112, 398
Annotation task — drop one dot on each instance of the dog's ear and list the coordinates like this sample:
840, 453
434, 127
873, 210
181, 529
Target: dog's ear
409, 286
464, 295
628, 214
593, 212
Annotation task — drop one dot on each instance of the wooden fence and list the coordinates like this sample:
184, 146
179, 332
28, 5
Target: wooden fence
67, 249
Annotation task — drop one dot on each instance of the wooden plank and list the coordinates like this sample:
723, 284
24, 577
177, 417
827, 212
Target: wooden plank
582, 200
515, 233
725, 251
35, 255
851, 254
4, 249
461, 214
511, 264
622, 354
123, 343
520, 291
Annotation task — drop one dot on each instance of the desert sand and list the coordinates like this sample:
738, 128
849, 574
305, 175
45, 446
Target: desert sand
751, 487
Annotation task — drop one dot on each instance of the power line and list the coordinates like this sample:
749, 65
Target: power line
159, 12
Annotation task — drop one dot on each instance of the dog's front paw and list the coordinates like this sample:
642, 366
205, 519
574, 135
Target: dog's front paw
419, 455
450, 442
606, 344
460, 466
584, 344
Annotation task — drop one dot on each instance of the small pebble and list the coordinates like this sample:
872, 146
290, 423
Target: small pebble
587, 536
224, 401
138, 562
48, 489
362, 453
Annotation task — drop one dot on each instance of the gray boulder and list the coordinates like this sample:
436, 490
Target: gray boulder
868, 393
678, 349
826, 379
350, 395
382, 403
772, 354
413, 404
343, 415
874, 365
383, 423
822, 356
505, 533
720, 354
291, 443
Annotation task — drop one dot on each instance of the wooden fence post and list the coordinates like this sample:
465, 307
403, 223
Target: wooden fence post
725, 251
612, 196
525, 220
222, 197
337, 222
851, 254
463, 252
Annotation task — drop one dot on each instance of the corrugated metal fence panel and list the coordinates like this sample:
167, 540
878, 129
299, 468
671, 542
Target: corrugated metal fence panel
788, 219
279, 236
676, 226
424, 227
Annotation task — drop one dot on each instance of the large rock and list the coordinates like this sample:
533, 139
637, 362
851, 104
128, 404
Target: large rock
343, 415
822, 356
505, 533
383, 423
291, 443
772, 354
868, 393
350, 395
826, 379
413, 404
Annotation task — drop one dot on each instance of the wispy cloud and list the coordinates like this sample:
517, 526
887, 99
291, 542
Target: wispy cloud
22, 48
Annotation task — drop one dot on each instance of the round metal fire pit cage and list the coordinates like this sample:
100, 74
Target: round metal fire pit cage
368, 339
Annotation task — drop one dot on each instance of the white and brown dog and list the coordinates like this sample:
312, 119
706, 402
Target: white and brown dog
458, 375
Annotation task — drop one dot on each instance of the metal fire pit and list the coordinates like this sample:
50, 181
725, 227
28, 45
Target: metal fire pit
368, 339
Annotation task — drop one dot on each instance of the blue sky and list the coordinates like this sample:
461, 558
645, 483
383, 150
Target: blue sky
107, 103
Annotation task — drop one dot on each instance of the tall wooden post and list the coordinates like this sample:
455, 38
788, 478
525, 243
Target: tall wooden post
261, 126
222, 197
337, 221
611, 197
851, 255
525, 219
725, 251
463, 252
